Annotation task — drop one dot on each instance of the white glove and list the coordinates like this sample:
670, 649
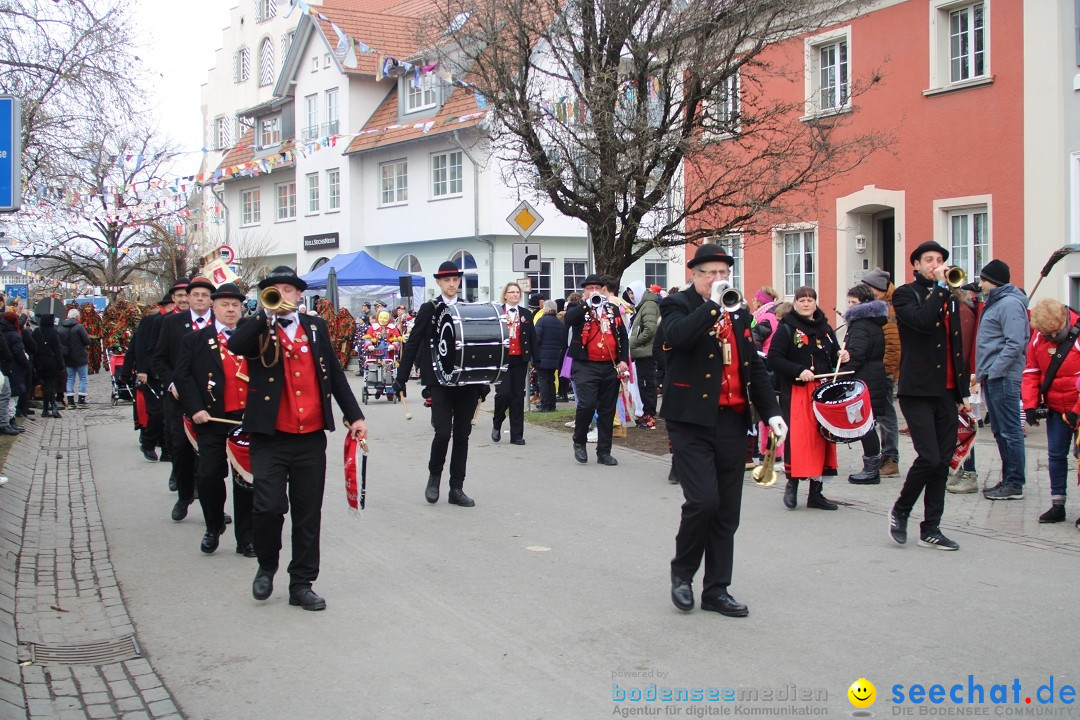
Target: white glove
718, 288
778, 426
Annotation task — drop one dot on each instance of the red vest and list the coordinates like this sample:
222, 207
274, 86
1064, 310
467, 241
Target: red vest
236, 377
513, 322
300, 410
731, 392
599, 345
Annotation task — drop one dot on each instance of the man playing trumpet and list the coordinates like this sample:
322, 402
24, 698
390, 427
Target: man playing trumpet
715, 378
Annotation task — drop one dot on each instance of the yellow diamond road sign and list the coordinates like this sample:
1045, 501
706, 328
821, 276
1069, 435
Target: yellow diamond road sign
524, 219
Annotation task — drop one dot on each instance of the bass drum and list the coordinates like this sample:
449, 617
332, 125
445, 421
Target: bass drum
238, 449
471, 344
843, 411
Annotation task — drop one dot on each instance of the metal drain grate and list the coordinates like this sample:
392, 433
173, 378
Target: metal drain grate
94, 653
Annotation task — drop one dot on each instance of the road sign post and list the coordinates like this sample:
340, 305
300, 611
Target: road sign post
10, 153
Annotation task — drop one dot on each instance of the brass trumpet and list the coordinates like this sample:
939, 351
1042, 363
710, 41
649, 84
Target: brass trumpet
271, 299
955, 277
764, 474
730, 298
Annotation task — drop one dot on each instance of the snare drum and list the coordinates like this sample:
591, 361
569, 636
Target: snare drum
238, 449
843, 411
471, 344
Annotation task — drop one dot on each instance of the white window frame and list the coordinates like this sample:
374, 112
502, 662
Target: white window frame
654, 276
413, 264
332, 110
946, 209
250, 207
941, 47
425, 98
780, 239
265, 10
312, 193
813, 47
443, 178
733, 244
315, 64
286, 205
311, 117
270, 131
333, 190
326, 61
222, 132
535, 284
575, 285
397, 192
724, 110
242, 67
267, 69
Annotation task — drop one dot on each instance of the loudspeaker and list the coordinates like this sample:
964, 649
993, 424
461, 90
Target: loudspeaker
405, 286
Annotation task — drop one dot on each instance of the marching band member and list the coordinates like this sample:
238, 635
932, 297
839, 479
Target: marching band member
152, 435
170, 338
715, 379
206, 354
601, 353
933, 382
452, 407
510, 392
294, 371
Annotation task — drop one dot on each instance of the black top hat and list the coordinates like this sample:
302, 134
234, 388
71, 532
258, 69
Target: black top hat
180, 284
928, 246
448, 269
200, 282
285, 275
593, 279
166, 299
228, 291
711, 253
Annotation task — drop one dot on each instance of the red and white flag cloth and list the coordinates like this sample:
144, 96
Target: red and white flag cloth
356, 453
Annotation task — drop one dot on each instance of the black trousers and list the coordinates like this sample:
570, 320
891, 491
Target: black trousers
212, 481
452, 410
646, 381
545, 378
709, 463
151, 436
596, 387
289, 471
510, 395
932, 422
184, 459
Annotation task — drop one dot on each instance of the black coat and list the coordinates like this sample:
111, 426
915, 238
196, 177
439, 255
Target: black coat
695, 362
550, 341
418, 347
20, 365
526, 335
74, 335
789, 356
145, 342
170, 339
921, 308
266, 384
865, 343
575, 315
49, 358
199, 374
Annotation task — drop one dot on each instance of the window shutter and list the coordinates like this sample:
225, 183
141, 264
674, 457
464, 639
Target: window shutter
236, 66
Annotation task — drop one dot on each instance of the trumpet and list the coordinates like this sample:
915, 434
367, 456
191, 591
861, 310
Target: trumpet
271, 299
730, 298
764, 474
955, 277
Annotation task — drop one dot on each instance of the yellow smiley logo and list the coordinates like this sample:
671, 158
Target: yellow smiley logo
862, 693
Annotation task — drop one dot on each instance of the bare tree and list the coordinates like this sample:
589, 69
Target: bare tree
603, 107
252, 252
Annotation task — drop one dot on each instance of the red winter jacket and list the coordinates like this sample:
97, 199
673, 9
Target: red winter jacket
1062, 396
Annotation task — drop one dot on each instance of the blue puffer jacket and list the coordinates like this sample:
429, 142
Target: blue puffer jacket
1001, 344
550, 341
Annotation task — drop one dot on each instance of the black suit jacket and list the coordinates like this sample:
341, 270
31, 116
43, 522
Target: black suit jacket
418, 346
921, 308
695, 362
527, 335
575, 320
267, 384
199, 374
146, 337
173, 328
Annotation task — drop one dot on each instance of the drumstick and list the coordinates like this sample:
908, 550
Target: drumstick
837, 371
408, 415
227, 422
832, 375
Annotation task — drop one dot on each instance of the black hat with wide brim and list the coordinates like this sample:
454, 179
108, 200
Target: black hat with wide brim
228, 291
180, 284
282, 275
448, 269
166, 299
711, 253
928, 246
593, 279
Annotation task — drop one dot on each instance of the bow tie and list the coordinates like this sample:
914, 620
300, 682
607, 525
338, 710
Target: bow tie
228, 332
284, 322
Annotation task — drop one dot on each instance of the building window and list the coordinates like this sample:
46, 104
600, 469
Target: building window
969, 239
331, 126
421, 95
333, 189
265, 10
540, 283
241, 65
286, 43
798, 260
286, 201
409, 264
655, 274
470, 282
311, 118
223, 133
394, 181
828, 72
733, 246
722, 112
573, 275
251, 207
446, 174
270, 131
267, 70
967, 43
315, 64
312, 192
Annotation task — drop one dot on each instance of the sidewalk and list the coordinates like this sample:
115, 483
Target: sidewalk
525, 606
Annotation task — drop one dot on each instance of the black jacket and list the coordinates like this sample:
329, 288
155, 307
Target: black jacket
695, 362
145, 342
266, 384
550, 341
74, 335
170, 338
418, 347
865, 343
20, 365
200, 376
801, 344
576, 313
49, 358
526, 335
921, 308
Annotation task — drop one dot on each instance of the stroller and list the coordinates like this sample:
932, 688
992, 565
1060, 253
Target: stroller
123, 388
379, 369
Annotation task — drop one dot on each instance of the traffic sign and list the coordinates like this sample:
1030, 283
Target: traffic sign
524, 219
20, 291
10, 153
227, 254
527, 257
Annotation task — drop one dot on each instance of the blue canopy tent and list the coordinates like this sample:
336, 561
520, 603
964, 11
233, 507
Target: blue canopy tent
361, 277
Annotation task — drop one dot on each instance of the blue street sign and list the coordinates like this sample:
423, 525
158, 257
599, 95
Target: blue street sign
22, 292
10, 153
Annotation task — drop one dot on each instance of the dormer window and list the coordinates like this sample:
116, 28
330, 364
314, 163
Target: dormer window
421, 96
270, 131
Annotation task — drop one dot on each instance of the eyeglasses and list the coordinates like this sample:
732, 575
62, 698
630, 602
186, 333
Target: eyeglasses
712, 273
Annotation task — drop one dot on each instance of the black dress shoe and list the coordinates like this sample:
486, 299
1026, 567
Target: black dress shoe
263, 585
791, 499
606, 460
579, 454
210, 541
458, 497
179, 511
431, 493
725, 605
172, 483
246, 550
6, 430
518, 441
496, 434
682, 593
307, 599
149, 454
166, 456
672, 478
228, 519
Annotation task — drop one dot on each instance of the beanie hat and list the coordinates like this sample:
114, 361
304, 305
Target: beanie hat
877, 279
996, 272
